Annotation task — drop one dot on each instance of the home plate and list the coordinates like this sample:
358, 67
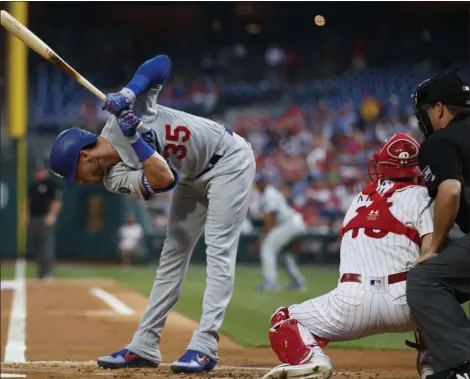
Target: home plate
12, 376
7, 285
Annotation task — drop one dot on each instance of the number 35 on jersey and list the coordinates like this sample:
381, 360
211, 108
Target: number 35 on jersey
176, 138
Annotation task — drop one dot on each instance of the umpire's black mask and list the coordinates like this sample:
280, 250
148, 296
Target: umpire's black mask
447, 89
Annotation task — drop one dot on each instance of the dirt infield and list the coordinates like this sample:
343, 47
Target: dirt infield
68, 328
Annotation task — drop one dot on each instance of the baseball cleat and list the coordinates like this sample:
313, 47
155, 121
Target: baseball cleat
124, 358
193, 361
318, 368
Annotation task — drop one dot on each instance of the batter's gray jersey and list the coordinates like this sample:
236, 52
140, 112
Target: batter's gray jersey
272, 200
216, 170
187, 142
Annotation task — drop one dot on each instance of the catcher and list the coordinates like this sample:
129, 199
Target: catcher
385, 229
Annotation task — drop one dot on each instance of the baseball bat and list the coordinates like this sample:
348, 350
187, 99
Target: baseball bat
33, 42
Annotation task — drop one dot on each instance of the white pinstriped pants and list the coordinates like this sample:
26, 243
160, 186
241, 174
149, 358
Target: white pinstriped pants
356, 310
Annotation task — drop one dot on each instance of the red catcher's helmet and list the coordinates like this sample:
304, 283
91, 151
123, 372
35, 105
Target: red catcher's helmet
398, 158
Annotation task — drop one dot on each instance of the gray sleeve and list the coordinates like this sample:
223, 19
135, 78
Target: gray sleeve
123, 180
113, 134
145, 105
145, 108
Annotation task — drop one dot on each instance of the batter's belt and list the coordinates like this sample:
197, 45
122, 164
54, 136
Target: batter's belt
393, 278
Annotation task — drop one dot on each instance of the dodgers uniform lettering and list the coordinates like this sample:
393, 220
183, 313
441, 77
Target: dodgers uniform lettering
356, 310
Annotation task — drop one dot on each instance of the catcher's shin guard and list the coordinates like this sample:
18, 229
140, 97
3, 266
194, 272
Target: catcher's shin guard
297, 348
424, 359
290, 340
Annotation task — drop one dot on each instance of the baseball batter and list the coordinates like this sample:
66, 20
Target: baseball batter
387, 226
211, 171
281, 225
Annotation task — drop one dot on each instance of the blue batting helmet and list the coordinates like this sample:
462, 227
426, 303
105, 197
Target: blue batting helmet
66, 150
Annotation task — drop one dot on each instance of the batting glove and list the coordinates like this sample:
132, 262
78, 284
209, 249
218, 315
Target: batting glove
115, 103
128, 122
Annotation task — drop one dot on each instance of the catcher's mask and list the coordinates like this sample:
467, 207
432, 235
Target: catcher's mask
397, 159
447, 89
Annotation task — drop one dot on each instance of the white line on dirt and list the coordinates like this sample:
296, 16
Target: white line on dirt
93, 363
117, 305
12, 375
16, 341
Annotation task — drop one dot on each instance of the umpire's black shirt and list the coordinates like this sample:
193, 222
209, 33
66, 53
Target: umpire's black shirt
445, 154
41, 194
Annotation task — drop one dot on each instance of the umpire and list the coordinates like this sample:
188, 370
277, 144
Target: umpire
44, 204
440, 281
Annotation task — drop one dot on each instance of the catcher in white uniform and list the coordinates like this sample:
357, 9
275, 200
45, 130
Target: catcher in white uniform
387, 226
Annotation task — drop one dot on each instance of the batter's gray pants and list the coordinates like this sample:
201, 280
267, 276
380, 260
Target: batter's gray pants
435, 291
42, 246
217, 202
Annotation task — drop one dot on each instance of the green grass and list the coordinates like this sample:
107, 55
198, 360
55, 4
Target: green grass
248, 315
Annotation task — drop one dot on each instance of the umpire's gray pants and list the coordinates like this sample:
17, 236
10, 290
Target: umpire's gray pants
42, 246
435, 291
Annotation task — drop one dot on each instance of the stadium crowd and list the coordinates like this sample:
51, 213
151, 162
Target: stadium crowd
314, 112
317, 155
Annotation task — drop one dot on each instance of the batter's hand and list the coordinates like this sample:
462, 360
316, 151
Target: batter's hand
115, 103
128, 122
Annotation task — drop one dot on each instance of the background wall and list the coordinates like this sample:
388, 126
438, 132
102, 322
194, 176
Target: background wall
314, 101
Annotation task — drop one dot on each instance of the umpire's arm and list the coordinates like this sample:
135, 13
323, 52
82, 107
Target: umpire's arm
440, 164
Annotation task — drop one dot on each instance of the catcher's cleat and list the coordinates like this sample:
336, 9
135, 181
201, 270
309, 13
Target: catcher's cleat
319, 367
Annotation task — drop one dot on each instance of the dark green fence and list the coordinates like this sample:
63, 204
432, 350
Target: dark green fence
88, 224
325, 251
86, 228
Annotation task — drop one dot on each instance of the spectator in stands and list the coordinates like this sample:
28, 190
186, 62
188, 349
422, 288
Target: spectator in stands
130, 236
369, 108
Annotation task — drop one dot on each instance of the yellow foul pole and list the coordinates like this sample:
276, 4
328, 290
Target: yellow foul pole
17, 113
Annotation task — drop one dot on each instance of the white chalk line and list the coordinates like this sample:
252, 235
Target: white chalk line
113, 302
16, 341
88, 363
3, 375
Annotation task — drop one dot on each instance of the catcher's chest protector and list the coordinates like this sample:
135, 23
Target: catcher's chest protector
376, 219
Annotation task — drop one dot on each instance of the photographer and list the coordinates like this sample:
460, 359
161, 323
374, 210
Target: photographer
440, 282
